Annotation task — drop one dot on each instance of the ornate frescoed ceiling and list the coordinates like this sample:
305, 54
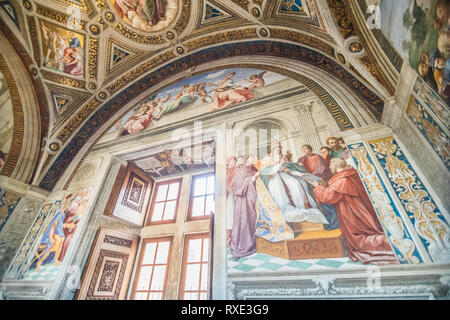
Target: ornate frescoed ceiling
88, 59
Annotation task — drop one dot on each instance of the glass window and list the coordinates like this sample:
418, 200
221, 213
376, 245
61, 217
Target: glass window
165, 202
195, 268
202, 196
151, 275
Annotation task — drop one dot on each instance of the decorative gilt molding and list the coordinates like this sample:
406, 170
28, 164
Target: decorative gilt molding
93, 58
133, 35
79, 117
302, 38
32, 29
222, 37
66, 81
59, 17
140, 70
19, 125
184, 17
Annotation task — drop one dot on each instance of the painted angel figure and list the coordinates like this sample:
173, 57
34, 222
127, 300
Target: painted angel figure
158, 106
257, 80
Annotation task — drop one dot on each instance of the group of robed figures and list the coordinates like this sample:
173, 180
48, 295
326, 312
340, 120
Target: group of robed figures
264, 197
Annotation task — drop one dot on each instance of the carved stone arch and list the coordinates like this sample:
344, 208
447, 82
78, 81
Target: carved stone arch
30, 113
351, 103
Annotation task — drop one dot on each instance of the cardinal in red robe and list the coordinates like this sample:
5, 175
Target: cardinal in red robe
360, 227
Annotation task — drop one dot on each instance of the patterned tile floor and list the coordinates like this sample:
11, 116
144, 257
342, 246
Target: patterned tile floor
47, 272
264, 263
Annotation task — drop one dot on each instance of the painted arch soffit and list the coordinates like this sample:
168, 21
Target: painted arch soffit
107, 42
259, 48
113, 49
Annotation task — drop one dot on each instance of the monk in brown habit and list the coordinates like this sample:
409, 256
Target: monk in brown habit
362, 232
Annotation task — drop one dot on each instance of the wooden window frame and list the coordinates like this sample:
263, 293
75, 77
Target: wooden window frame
184, 264
139, 266
153, 202
191, 196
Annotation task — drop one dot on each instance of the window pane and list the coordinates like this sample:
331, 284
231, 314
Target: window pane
200, 186
149, 254
192, 277
204, 281
155, 296
190, 296
169, 211
203, 296
140, 296
195, 250
210, 205
158, 211
173, 191
158, 278
210, 188
198, 207
162, 192
205, 255
163, 252
144, 278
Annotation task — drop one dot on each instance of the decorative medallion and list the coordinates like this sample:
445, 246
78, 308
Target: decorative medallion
263, 32
27, 4
355, 47
54, 146
94, 29
255, 12
109, 16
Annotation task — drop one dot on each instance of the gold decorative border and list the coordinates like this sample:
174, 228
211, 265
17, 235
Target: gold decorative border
130, 34
342, 18
58, 16
242, 3
140, 70
93, 57
101, 4
32, 28
82, 4
302, 38
370, 66
184, 17
73, 83
221, 38
19, 128
79, 117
